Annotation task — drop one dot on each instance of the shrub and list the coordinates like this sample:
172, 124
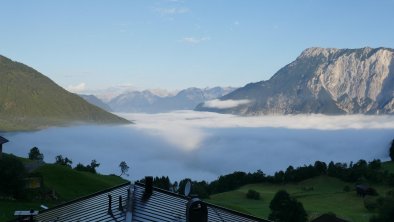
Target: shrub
63, 161
12, 174
252, 194
370, 203
88, 168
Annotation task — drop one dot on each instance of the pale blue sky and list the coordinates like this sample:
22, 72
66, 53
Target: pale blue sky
175, 44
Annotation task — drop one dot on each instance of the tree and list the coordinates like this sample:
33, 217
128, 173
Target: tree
63, 161
88, 168
123, 168
385, 209
321, 167
286, 209
93, 165
35, 154
12, 175
392, 151
162, 182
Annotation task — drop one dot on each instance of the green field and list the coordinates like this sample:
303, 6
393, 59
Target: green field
67, 183
319, 195
389, 166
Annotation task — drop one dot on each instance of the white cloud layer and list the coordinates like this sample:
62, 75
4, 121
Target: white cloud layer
77, 88
205, 145
225, 104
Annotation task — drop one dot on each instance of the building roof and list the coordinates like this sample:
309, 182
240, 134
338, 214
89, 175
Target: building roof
90, 208
164, 205
135, 206
328, 218
3, 140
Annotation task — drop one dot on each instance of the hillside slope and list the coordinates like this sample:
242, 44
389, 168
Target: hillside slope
30, 100
67, 184
320, 80
318, 195
96, 101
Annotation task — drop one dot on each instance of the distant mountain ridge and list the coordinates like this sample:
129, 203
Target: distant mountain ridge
320, 80
29, 100
149, 102
96, 101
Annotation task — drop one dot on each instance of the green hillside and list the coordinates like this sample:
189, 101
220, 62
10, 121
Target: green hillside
76, 183
389, 166
30, 100
68, 184
319, 195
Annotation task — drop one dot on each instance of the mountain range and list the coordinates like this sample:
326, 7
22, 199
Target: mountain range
94, 100
149, 102
29, 100
320, 80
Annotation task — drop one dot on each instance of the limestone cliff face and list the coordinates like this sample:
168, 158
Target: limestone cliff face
323, 80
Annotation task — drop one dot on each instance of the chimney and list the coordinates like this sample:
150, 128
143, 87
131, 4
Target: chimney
148, 186
31, 219
109, 204
2, 141
120, 204
196, 211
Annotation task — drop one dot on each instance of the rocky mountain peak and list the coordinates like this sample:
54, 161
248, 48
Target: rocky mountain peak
317, 51
324, 80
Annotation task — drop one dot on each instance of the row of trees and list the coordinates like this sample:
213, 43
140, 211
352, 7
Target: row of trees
361, 171
35, 154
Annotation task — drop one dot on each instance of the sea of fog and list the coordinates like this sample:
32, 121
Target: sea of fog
202, 146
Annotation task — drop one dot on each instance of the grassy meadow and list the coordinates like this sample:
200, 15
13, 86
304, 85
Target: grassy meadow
67, 183
318, 195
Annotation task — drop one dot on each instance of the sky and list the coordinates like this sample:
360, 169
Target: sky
212, 144
175, 44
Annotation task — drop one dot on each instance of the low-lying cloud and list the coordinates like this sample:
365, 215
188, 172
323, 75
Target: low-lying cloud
225, 104
205, 145
77, 88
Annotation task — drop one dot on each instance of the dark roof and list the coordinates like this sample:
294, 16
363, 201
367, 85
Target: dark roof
3, 140
328, 218
161, 205
90, 208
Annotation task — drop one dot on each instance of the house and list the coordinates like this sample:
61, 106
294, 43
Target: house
363, 190
140, 202
328, 218
2, 141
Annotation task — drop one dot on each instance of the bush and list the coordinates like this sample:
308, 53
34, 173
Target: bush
372, 192
370, 203
385, 209
12, 174
63, 161
88, 168
346, 188
252, 194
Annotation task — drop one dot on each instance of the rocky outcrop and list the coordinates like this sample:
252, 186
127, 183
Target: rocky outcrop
322, 80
